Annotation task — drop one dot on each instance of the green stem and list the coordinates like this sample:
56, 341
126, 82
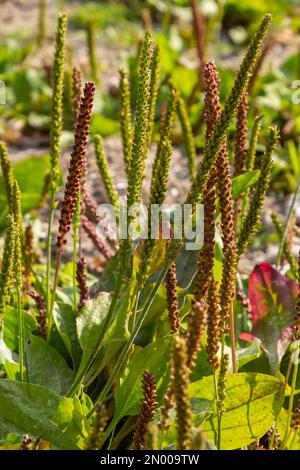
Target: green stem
232, 340
295, 354
216, 401
87, 364
219, 412
21, 335
125, 352
55, 283
75, 243
286, 226
49, 243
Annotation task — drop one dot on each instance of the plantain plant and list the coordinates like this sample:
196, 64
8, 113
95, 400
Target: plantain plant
136, 358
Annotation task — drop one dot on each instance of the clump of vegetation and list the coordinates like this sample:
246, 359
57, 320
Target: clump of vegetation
166, 347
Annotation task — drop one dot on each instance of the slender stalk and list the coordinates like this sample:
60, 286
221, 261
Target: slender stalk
219, 411
87, 364
21, 335
49, 246
295, 355
75, 243
125, 352
55, 283
55, 133
216, 401
42, 22
232, 340
76, 224
288, 372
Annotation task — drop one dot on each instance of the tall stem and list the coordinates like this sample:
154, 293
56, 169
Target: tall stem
55, 282
87, 364
125, 352
232, 340
75, 241
21, 335
219, 412
49, 251
295, 355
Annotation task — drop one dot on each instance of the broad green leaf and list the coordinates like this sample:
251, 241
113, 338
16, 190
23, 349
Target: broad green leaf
11, 327
186, 266
11, 442
252, 403
89, 322
128, 395
252, 352
32, 409
294, 157
29, 173
104, 126
65, 322
242, 182
153, 358
9, 361
245, 355
11, 54
46, 366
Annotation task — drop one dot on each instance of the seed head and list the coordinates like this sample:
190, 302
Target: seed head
77, 165
194, 333
250, 223
125, 119
148, 408
82, 282
180, 384
57, 98
42, 316
172, 299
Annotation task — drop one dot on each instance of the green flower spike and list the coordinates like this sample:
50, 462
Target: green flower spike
251, 221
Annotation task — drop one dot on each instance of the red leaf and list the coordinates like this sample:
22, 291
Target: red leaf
273, 299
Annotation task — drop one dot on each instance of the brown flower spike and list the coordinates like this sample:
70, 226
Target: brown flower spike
147, 413
82, 282
42, 316
77, 165
223, 166
180, 383
194, 333
227, 289
172, 299
207, 253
